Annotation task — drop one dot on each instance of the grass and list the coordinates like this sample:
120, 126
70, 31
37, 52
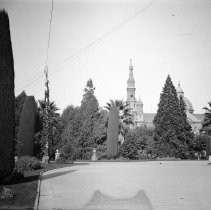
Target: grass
26, 189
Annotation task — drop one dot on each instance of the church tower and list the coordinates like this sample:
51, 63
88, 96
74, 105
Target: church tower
131, 99
136, 106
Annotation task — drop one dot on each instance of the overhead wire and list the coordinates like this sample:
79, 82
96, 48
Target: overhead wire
56, 67
49, 34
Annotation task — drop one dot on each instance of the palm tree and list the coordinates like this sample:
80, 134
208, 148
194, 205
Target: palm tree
52, 106
52, 121
206, 126
125, 117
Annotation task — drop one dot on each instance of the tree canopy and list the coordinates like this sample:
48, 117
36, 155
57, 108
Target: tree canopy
172, 131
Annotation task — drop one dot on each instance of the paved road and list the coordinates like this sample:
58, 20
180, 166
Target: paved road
184, 185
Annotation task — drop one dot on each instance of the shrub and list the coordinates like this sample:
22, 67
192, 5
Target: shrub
129, 149
167, 158
68, 153
27, 163
101, 151
7, 99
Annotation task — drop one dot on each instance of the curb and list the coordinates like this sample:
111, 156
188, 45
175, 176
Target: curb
36, 204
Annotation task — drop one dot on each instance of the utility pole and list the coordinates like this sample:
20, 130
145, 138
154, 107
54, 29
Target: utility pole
46, 119
46, 124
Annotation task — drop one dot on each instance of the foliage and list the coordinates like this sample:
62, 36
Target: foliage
51, 127
172, 132
27, 127
185, 134
80, 124
89, 113
100, 127
85, 126
71, 124
7, 99
125, 117
206, 126
19, 102
67, 153
26, 163
138, 143
198, 144
129, 149
102, 151
112, 132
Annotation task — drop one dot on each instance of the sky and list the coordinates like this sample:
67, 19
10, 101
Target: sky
97, 38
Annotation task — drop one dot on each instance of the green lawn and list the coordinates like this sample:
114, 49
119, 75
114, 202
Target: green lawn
26, 189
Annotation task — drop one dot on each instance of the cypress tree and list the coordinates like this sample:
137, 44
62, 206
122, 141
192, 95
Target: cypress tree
89, 113
113, 132
27, 127
168, 122
7, 99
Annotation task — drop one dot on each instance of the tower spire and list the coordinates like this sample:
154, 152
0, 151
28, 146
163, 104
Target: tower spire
131, 66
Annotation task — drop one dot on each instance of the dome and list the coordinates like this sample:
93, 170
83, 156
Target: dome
188, 105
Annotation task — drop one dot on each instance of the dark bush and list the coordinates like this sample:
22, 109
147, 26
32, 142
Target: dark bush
26, 163
68, 153
17, 174
129, 149
102, 151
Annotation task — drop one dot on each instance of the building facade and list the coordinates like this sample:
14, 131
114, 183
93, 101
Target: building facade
146, 119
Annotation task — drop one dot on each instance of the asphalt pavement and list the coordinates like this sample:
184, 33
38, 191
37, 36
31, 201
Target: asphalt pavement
151, 185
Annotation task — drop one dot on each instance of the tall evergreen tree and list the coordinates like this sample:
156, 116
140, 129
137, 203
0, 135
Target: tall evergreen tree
27, 127
89, 112
185, 133
7, 99
113, 131
169, 124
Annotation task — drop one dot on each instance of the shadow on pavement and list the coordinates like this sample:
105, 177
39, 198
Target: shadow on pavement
79, 164
56, 174
100, 201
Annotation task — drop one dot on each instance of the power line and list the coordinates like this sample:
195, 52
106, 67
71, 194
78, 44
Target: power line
120, 25
56, 67
49, 33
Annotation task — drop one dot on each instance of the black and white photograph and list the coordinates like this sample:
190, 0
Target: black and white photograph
105, 104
